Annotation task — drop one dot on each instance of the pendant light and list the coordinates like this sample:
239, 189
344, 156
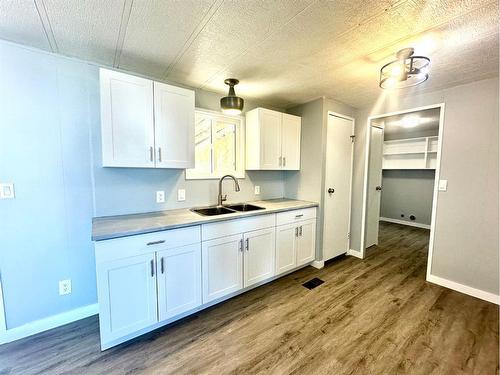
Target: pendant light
231, 104
406, 71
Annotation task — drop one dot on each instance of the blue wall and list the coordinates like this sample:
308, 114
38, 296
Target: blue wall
50, 148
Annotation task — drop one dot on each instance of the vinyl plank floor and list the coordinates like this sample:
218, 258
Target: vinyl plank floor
371, 316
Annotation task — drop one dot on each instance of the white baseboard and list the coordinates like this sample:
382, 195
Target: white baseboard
319, 264
48, 323
404, 222
481, 294
354, 253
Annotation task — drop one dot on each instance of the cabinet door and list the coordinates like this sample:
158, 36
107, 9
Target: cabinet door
127, 127
259, 258
174, 126
290, 142
222, 266
270, 139
306, 251
179, 280
127, 296
286, 247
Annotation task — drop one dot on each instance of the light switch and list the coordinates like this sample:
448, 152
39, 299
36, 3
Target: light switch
181, 195
443, 185
160, 196
257, 189
7, 191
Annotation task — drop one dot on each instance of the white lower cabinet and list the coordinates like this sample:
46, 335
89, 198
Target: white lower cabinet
179, 280
222, 266
127, 295
286, 248
259, 258
306, 251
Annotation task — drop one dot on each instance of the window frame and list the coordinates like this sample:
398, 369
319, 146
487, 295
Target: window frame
192, 174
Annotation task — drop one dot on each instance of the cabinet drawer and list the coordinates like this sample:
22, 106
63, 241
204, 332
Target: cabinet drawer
230, 227
295, 215
145, 243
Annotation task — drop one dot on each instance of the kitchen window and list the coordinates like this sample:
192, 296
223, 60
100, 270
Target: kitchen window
218, 146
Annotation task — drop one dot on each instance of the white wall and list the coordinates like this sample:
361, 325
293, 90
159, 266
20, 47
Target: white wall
466, 247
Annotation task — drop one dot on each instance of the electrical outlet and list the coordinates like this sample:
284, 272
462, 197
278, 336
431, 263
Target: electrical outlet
64, 287
7, 191
160, 196
257, 189
181, 195
443, 185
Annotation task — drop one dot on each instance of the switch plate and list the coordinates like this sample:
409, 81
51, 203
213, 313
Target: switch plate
443, 185
257, 189
7, 191
160, 196
181, 195
64, 287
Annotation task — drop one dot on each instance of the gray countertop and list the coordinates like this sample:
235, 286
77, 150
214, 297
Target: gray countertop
108, 227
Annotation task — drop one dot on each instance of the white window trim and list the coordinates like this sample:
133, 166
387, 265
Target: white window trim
191, 174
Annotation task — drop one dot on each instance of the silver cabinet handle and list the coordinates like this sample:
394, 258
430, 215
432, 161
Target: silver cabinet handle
297, 216
246, 244
241, 245
151, 153
300, 232
162, 265
280, 160
155, 242
296, 231
159, 154
152, 268
284, 161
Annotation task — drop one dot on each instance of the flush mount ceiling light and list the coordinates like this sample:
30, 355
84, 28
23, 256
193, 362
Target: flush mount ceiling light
231, 104
406, 71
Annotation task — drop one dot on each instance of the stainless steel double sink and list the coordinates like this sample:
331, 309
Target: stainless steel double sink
223, 210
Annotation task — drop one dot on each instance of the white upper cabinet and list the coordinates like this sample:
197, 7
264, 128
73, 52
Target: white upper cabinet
174, 126
272, 140
145, 124
126, 120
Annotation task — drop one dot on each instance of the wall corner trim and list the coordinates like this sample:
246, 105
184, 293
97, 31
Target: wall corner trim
319, 264
48, 323
481, 294
355, 253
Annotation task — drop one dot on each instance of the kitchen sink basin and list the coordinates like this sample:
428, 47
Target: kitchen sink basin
213, 211
243, 207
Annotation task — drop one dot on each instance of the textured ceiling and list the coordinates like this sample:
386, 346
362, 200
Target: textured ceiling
427, 121
284, 52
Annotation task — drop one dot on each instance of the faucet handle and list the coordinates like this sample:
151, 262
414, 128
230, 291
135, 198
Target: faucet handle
223, 198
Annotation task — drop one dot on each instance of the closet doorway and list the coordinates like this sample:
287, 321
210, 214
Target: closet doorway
403, 153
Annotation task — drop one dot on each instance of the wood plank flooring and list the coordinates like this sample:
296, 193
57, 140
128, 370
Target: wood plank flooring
371, 316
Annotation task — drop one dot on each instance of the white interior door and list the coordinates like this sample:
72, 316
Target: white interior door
374, 185
3, 324
290, 142
338, 176
270, 128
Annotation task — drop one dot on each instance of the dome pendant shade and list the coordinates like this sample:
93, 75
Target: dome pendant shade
406, 71
231, 104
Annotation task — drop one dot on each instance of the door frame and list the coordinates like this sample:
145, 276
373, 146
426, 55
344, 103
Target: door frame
3, 324
323, 194
441, 107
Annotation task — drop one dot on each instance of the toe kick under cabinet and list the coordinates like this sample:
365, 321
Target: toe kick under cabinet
149, 280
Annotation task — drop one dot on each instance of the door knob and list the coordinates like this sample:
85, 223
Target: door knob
378, 188
331, 191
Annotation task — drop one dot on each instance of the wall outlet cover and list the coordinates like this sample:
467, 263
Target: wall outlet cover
7, 191
257, 189
160, 196
181, 195
443, 185
64, 287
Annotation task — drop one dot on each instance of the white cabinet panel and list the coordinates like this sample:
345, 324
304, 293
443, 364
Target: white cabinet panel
222, 267
286, 247
270, 139
174, 126
126, 120
259, 258
179, 280
127, 296
290, 142
306, 242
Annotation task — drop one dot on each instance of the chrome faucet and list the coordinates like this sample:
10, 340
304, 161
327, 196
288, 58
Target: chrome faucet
221, 198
